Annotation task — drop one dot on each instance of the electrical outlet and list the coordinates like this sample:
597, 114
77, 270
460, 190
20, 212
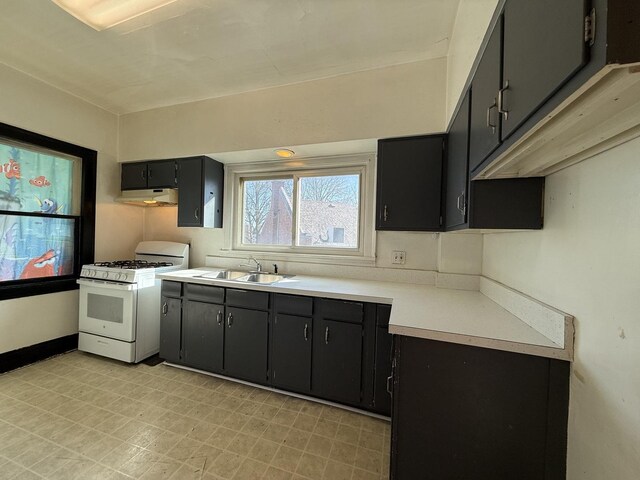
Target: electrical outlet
398, 257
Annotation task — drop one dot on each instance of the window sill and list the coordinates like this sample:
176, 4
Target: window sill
33, 288
327, 259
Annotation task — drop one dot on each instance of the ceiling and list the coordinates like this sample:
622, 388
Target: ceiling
196, 49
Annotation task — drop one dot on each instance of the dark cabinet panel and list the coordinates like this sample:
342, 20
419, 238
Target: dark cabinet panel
337, 360
170, 329
484, 134
543, 47
133, 176
245, 348
200, 190
291, 352
247, 299
382, 396
340, 310
458, 167
203, 335
468, 412
409, 183
162, 174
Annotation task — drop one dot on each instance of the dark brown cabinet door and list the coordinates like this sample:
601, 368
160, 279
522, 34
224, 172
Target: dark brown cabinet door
543, 47
190, 192
170, 329
162, 174
337, 360
464, 412
291, 352
458, 167
409, 193
484, 133
245, 344
381, 396
203, 335
133, 176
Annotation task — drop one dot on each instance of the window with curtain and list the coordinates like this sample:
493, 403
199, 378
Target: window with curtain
47, 198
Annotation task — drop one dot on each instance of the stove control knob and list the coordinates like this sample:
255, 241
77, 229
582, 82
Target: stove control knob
120, 276
105, 275
91, 273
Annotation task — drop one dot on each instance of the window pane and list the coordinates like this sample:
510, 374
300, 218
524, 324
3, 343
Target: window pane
37, 181
267, 212
34, 247
329, 211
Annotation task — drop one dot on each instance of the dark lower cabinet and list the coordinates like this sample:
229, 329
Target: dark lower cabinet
246, 344
462, 412
337, 360
203, 335
170, 329
291, 352
382, 394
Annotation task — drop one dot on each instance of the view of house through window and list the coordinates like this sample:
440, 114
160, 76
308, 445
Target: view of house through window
324, 211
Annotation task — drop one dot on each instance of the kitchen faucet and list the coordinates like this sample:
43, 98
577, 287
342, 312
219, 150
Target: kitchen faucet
258, 264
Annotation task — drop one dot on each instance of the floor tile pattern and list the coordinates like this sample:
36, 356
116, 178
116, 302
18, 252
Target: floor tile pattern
79, 416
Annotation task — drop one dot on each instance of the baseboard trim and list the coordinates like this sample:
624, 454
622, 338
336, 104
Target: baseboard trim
34, 353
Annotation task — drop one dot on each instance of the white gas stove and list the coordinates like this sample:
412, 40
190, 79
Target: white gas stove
120, 301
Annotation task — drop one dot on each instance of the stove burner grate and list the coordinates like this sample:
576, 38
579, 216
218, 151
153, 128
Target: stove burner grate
133, 264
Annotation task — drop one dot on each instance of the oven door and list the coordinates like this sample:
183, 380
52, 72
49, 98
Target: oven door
108, 309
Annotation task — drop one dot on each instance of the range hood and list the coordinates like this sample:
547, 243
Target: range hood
160, 197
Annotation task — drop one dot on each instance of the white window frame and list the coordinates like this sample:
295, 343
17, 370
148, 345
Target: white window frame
363, 164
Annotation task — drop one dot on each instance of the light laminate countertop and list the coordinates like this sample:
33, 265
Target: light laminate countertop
425, 311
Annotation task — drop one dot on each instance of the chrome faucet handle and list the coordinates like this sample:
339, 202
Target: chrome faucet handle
258, 264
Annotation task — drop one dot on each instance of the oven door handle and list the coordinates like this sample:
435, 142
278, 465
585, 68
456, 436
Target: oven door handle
105, 284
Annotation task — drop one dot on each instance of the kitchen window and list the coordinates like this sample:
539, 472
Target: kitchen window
318, 209
47, 202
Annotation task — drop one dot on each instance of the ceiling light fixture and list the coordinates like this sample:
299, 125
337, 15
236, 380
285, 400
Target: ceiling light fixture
102, 14
285, 153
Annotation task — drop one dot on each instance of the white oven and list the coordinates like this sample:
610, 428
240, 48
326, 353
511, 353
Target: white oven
108, 309
119, 311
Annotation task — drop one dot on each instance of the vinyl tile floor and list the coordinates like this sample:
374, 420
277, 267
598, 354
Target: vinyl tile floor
79, 416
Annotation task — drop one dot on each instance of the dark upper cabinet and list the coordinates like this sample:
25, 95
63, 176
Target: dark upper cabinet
162, 174
409, 183
543, 47
153, 174
291, 352
203, 335
246, 344
462, 412
200, 190
457, 168
133, 176
170, 329
484, 129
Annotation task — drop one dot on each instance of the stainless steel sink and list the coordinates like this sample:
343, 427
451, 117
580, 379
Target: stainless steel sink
225, 275
244, 277
261, 278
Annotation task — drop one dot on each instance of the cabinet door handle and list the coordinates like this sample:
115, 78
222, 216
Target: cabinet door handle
150, 173
501, 100
219, 317
462, 205
306, 332
229, 320
490, 125
196, 213
389, 384
142, 174
385, 214
165, 308
326, 336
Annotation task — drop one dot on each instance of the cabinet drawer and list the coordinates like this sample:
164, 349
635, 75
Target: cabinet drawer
204, 293
293, 304
340, 310
248, 299
171, 289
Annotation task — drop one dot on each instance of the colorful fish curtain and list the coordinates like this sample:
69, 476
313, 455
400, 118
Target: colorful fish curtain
35, 182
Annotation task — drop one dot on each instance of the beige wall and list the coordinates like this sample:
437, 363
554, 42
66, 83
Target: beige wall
33, 105
586, 261
470, 26
400, 100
